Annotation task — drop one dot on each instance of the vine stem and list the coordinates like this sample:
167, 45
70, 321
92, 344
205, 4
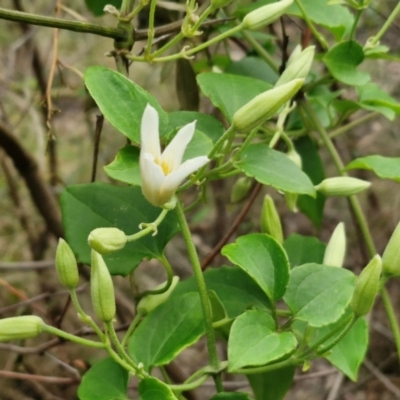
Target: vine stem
392, 318
386, 25
76, 26
205, 302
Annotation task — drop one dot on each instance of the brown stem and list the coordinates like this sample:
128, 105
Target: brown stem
29, 170
233, 228
97, 135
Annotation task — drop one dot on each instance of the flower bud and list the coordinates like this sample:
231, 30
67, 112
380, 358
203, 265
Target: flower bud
240, 189
101, 289
336, 248
342, 186
265, 15
270, 221
391, 255
66, 265
367, 287
264, 106
22, 327
298, 65
150, 302
291, 201
106, 240
295, 157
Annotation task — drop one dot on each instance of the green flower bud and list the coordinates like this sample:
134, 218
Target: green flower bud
270, 221
150, 302
298, 66
106, 240
240, 189
367, 287
102, 289
265, 15
342, 186
391, 255
295, 157
291, 201
66, 265
336, 248
22, 327
264, 106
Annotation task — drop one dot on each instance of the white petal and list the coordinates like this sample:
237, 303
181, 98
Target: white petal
174, 179
172, 155
152, 178
149, 135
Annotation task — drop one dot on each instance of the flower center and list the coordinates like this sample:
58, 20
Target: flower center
165, 167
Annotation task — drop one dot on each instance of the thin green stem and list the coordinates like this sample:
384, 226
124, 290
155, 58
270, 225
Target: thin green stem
355, 23
189, 386
126, 7
261, 51
76, 26
317, 35
267, 368
131, 328
345, 128
360, 217
87, 319
150, 34
73, 338
201, 285
389, 21
150, 227
392, 318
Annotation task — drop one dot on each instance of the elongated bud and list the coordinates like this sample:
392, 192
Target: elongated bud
106, 240
264, 106
240, 189
291, 201
367, 287
391, 255
265, 15
336, 248
150, 302
298, 66
270, 221
295, 157
66, 265
342, 186
101, 289
22, 327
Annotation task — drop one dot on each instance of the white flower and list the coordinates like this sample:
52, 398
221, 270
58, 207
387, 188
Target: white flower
162, 173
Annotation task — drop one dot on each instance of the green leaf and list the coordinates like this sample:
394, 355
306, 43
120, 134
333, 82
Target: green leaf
253, 67
234, 288
312, 166
384, 167
319, 294
304, 249
264, 259
273, 168
335, 18
231, 396
342, 61
205, 123
99, 205
97, 6
273, 384
200, 145
350, 352
166, 331
154, 389
122, 101
230, 92
373, 98
125, 167
253, 341
104, 381
217, 308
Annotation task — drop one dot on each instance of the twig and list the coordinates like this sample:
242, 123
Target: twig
233, 228
28, 169
97, 135
38, 378
334, 392
26, 265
